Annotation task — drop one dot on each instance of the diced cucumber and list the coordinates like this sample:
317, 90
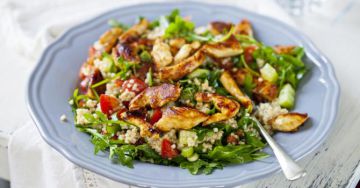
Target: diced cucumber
185, 137
193, 158
109, 62
287, 96
260, 62
199, 73
269, 73
187, 151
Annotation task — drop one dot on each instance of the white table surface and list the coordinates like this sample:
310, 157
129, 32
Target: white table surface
335, 29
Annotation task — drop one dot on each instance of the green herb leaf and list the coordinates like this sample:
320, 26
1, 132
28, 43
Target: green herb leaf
115, 23
200, 166
233, 154
179, 28
126, 154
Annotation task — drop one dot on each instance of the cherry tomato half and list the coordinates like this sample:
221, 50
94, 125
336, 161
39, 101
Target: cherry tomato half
167, 151
108, 104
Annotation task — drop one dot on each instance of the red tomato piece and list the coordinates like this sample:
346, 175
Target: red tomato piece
167, 151
248, 54
157, 114
108, 104
134, 85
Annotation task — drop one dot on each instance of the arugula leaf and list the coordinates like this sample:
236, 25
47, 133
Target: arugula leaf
214, 77
200, 166
146, 153
290, 66
154, 24
125, 67
101, 142
172, 16
259, 155
102, 120
201, 132
252, 135
233, 154
125, 154
249, 84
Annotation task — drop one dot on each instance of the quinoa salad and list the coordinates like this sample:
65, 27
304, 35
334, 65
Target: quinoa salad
171, 93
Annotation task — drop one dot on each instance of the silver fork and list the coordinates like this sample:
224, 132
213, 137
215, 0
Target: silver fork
290, 168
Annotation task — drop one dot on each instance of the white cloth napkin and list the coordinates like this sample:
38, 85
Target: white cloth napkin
29, 26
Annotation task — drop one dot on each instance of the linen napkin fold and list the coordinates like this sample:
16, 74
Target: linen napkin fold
30, 27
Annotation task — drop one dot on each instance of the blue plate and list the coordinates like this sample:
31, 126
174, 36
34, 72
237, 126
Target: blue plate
56, 75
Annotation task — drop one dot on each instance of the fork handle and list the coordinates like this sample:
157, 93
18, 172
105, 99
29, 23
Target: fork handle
290, 168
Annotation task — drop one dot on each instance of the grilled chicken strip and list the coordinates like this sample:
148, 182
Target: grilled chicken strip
230, 85
244, 28
181, 69
135, 31
289, 122
186, 50
228, 108
138, 122
183, 53
228, 48
180, 118
109, 38
161, 54
104, 44
264, 91
219, 27
156, 96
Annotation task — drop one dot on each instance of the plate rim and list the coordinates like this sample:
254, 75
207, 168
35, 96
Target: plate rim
66, 151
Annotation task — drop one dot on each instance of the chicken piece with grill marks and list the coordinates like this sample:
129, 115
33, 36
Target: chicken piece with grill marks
161, 54
289, 122
230, 85
138, 122
244, 28
109, 38
228, 108
228, 48
180, 118
181, 69
156, 96
134, 32
186, 50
